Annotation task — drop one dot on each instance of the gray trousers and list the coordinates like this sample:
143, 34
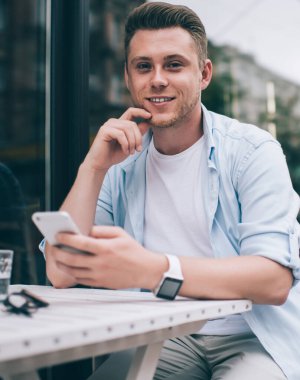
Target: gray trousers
202, 357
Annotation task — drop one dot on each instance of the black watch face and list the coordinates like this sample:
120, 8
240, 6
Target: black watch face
169, 288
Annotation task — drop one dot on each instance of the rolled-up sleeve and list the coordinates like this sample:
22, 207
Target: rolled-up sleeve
269, 207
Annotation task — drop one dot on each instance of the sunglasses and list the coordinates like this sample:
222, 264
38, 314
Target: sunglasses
23, 302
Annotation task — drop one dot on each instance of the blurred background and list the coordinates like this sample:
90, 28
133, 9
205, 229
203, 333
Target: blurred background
61, 77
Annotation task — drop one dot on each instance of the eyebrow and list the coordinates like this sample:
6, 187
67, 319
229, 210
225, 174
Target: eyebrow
148, 59
140, 58
175, 56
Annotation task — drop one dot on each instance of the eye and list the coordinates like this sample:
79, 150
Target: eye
143, 66
174, 65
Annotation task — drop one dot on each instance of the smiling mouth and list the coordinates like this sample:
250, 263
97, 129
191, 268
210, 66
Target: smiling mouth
160, 99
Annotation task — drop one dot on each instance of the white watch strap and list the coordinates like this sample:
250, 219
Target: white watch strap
174, 267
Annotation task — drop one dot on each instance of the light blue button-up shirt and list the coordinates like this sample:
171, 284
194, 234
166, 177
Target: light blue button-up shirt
252, 210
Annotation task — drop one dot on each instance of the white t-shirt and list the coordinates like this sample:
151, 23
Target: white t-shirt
175, 218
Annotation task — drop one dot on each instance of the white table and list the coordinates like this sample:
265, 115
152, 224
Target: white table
82, 323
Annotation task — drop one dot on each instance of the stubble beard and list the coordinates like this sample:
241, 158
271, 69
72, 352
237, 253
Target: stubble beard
180, 115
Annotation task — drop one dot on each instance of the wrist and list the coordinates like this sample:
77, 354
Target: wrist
160, 265
171, 280
89, 165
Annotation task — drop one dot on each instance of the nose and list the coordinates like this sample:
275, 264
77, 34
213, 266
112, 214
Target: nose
159, 78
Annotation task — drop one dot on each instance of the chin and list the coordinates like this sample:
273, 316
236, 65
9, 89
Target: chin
163, 122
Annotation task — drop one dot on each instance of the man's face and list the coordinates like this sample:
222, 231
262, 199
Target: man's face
164, 77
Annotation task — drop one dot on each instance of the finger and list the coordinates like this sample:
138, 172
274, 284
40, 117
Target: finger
131, 131
75, 272
138, 115
106, 232
73, 259
84, 243
139, 132
134, 134
70, 249
132, 113
121, 137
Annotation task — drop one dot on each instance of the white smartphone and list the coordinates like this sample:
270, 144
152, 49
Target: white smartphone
50, 223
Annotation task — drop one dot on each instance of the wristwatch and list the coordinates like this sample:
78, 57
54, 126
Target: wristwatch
171, 281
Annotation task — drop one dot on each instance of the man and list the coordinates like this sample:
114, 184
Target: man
212, 194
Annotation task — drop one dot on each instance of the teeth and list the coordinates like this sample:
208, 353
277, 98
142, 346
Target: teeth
159, 100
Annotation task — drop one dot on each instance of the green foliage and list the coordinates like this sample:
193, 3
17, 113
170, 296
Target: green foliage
221, 93
288, 134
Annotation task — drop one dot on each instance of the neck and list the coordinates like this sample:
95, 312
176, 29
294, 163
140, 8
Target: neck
178, 138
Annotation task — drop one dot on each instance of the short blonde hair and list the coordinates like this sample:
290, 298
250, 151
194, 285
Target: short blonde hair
159, 15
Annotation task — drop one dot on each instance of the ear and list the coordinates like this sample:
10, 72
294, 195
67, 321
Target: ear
206, 74
126, 76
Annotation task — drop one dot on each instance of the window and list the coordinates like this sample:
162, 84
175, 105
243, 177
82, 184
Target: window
22, 136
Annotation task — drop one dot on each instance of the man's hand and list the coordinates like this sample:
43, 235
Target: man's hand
117, 139
116, 261
58, 278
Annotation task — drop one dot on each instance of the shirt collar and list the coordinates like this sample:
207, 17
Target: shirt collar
208, 131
